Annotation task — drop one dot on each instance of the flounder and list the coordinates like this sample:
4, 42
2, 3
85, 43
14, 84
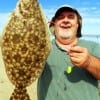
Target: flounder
25, 46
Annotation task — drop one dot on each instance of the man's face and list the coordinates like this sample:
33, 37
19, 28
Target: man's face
66, 25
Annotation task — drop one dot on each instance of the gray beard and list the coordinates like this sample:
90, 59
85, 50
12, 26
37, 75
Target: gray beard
65, 35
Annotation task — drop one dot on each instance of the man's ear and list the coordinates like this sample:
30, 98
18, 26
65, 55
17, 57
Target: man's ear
51, 29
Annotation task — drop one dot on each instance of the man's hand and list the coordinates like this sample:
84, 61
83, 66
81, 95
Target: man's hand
79, 56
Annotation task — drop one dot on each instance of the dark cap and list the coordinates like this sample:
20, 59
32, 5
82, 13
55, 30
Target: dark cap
67, 8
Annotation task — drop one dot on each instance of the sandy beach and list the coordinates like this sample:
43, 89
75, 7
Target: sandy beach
6, 87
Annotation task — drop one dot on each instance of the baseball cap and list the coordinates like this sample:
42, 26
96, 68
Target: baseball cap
65, 8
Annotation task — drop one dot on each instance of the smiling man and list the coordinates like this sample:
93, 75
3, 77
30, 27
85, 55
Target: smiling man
72, 69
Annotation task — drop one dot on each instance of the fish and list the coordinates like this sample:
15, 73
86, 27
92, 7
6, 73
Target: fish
25, 46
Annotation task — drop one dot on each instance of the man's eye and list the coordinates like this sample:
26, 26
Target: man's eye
71, 16
60, 17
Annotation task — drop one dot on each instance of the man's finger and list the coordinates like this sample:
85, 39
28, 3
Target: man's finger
76, 49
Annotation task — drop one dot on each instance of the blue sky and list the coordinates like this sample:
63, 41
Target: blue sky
89, 9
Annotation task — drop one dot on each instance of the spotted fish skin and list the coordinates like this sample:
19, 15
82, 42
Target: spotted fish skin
25, 43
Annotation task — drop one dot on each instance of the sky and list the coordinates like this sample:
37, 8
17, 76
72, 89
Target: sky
89, 10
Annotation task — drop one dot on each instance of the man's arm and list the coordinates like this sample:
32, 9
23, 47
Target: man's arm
83, 59
94, 66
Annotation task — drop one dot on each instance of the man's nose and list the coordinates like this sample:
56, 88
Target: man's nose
65, 20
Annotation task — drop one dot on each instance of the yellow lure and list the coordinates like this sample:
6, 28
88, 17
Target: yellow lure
69, 69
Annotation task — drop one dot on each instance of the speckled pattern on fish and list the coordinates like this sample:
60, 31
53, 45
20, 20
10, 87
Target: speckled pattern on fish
25, 46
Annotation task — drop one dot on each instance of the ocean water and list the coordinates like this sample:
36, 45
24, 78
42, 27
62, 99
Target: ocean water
95, 38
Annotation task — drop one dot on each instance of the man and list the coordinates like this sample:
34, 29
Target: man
72, 69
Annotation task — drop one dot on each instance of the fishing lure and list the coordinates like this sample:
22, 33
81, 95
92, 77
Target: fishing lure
69, 70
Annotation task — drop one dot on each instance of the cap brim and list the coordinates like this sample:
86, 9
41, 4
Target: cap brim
65, 9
